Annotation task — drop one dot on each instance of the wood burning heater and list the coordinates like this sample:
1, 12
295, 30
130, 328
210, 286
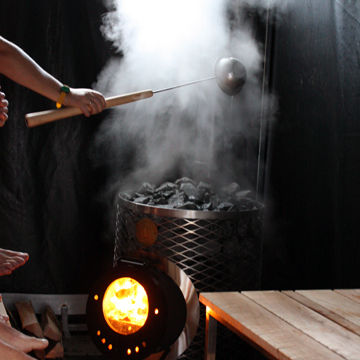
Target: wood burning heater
217, 250
143, 306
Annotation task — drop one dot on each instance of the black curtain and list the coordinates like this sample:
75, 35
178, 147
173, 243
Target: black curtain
49, 186
50, 183
313, 169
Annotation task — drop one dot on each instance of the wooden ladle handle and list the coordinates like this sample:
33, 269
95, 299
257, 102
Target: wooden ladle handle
47, 116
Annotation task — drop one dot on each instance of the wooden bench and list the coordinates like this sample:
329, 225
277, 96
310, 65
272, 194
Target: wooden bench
307, 324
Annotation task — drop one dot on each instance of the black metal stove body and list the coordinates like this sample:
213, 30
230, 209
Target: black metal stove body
216, 251
165, 318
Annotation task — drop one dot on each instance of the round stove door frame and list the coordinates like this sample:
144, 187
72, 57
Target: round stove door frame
152, 337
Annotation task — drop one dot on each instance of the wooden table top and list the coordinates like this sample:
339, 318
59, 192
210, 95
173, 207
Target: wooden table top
303, 324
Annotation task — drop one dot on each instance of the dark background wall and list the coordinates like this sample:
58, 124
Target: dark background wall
313, 177
51, 177
49, 184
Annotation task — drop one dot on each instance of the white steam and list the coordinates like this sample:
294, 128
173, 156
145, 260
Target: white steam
165, 43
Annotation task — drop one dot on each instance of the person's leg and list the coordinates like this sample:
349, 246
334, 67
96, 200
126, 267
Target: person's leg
20, 341
11, 260
8, 352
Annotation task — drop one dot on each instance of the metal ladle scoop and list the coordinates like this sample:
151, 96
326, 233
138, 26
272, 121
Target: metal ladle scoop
230, 75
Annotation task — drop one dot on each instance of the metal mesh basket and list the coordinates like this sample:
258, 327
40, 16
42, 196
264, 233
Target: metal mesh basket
219, 251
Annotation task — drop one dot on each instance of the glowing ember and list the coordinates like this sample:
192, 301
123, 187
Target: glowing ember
125, 306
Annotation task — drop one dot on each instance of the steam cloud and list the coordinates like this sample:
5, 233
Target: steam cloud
163, 43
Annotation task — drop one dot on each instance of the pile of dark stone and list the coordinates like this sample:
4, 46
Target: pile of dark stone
185, 193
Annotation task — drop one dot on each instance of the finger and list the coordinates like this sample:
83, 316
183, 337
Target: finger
4, 103
85, 110
96, 106
25, 256
91, 105
3, 110
3, 118
99, 99
102, 101
91, 108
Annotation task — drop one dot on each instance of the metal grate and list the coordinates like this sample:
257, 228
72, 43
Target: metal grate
217, 253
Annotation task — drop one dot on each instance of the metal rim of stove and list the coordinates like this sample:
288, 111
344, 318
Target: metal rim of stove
145, 341
163, 211
192, 304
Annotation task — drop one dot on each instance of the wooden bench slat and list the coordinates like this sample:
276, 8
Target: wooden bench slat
353, 294
276, 337
323, 330
330, 314
336, 302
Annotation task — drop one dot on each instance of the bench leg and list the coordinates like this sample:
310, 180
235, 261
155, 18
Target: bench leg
210, 337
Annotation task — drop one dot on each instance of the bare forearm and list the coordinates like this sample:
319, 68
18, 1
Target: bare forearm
21, 68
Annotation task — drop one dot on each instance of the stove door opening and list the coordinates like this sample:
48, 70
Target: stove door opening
125, 306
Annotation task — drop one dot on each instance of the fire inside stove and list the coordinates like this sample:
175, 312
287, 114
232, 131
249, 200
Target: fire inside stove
125, 306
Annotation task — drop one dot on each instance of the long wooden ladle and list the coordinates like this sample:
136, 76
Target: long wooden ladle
229, 73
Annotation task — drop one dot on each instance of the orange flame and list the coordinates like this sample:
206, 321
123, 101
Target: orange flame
125, 306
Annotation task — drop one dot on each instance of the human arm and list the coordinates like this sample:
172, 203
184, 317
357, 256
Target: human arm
21, 68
